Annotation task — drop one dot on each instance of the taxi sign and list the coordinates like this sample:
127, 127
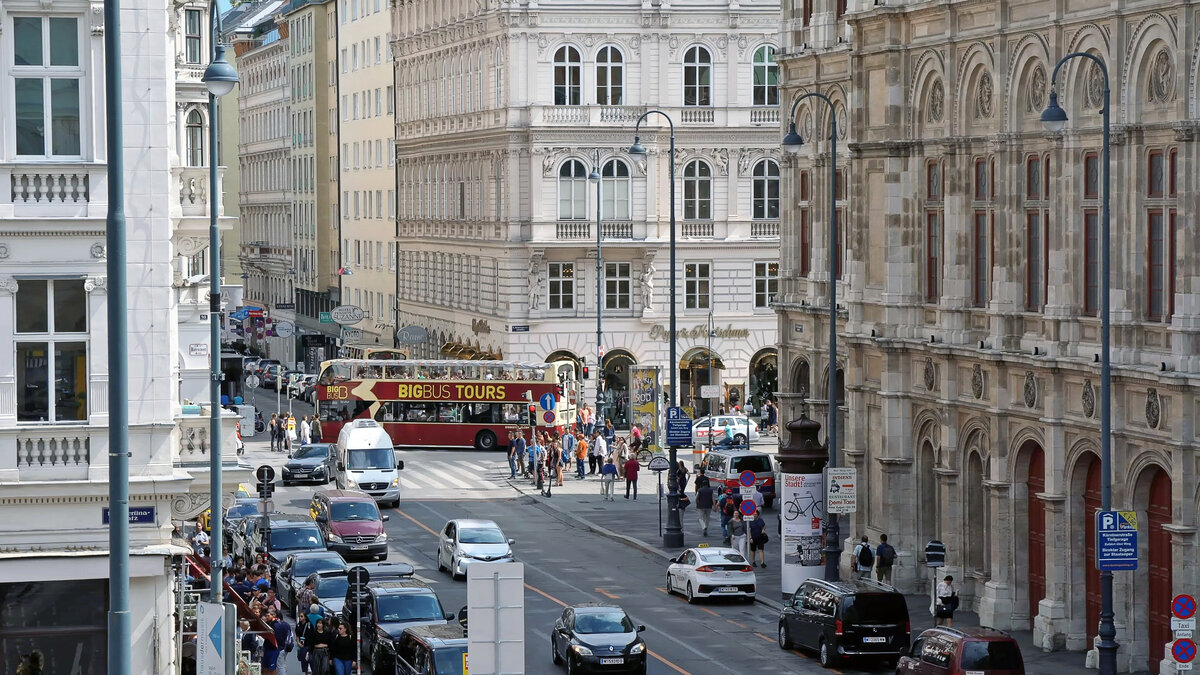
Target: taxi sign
703, 544
746, 478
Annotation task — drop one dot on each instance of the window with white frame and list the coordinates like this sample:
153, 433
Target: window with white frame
193, 40
616, 285
766, 77
195, 138
766, 283
766, 190
566, 76
614, 190
52, 349
697, 77
697, 280
562, 285
572, 190
697, 191
46, 72
610, 76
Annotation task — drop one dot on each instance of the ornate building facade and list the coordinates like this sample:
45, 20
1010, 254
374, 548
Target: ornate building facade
500, 112
969, 294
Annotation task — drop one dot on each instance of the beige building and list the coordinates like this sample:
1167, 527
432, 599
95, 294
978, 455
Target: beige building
367, 168
970, 286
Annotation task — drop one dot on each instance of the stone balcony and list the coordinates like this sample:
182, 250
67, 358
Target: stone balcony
190, 210
568, 231
53, 190
627, 116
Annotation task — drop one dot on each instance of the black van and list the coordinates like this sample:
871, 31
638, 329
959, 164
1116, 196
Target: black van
843, 619
440, 650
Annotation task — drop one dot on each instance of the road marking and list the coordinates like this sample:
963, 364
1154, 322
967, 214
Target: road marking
739, 625
709, 611
608, 595
771, 640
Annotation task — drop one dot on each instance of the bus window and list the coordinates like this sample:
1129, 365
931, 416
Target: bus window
385, 355
389, 411
480, 413
514, 413
335, 372
450, 412
419, 412
343, 411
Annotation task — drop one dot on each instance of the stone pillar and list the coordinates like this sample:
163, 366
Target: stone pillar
996, 602
1051, 624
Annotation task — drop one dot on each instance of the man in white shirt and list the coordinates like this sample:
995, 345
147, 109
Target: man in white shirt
599, 450
305, 431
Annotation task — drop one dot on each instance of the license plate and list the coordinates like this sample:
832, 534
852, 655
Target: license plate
727, 589
874, 639
359, 547
611, 662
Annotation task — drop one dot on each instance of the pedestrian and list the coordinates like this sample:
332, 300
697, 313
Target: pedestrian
608, 479
274, 657
581, 450
291, 434
532, 451
318, 639
621, 454
681, 473
737, 534
599, 450
864, 559
316, 429
701, 479
757, 497
556, 468
635, 439
303, 628
946, 599
727, 506
568, 445
199, 538
704, 504
631, 476
549, 464
305, 431
342, 651
250, 641
610, 433
587, 417
885, 557
516, 451
758, 539
273, 431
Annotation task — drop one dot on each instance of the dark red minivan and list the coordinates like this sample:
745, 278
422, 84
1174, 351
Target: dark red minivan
962, 651
351, 523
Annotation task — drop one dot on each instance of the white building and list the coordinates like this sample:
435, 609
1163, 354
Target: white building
53, 336
498, 114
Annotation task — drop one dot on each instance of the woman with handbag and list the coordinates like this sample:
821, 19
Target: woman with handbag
946, 599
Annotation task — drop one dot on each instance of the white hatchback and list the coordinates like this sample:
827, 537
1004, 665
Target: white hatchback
711, 573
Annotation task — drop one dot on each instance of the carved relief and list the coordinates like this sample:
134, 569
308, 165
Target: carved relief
98, 250
1030, 390
936, 105
8, 285
983, 97
843, 122
1094, 88
97, 283
1037, 90
3, 251
1162, 78
930, 375
1088, 399
1153, 408
977, 381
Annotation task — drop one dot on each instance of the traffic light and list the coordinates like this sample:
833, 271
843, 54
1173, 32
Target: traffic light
532, 411
585, 372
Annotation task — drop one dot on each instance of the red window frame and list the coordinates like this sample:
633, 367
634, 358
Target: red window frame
1162, 308
841, 186
1091, 262
1035, 298
933, 255
934, 182
981, 242
804, 186
1171, 166
982, 180
805, 242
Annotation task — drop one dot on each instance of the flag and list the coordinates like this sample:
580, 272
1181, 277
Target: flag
345, 271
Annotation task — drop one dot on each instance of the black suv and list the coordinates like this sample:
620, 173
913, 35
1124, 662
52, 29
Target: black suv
388, 607
842, 619
288, 534
432, 650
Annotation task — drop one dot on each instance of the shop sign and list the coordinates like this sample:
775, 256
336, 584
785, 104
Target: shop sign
700, 332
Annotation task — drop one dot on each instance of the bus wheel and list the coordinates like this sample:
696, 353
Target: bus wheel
485, 441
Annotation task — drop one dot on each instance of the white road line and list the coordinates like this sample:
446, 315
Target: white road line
443, 475
473, 480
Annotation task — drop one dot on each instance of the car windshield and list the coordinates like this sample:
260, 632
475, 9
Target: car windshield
481, 535
603, 622
408, 607
875, 608
318, 450
354, 511
755, 463
307, 565
286, 538
371, 458
241, 511
722, 558
332, 588
980, 655
449, 660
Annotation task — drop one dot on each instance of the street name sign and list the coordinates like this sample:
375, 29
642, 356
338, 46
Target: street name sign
138, 515
841, 486
710, 391
659, 463
1116, 540
285, 329
679, 427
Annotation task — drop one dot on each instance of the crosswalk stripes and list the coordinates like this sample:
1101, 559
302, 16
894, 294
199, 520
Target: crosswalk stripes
452, 475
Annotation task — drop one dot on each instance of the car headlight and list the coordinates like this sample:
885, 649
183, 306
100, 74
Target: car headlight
381, 538
319, 469
638, 648
396, 482
334, 538
581, 650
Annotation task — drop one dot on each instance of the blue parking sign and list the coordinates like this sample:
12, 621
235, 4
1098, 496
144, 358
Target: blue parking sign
679, 427
1116, 540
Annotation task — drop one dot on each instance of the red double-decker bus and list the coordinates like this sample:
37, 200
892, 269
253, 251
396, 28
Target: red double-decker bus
445, 404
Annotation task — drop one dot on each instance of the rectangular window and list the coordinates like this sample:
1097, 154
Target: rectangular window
805, 242
616, 286
1091, 176
1155, 173
1161, 259
378, 48
804, 186
933, 182
981, 180
1033, 178
391, 100
1091, 262
766, 283
378, 100
933, 256
1171, 163
697, 278
46, 76
51, 343
981, 244
193, 40
562, 286
1035, 291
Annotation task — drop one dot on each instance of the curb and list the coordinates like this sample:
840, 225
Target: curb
632, 542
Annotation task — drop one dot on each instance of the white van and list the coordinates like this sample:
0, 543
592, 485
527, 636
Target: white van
366, 461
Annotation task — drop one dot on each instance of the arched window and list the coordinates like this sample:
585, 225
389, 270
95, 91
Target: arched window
766, 76
610, 76
572, 191
566, 76
766, 190
697, 77
614, 191
195, 139
697, 191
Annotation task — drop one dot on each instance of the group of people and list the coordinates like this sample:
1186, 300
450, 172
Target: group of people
746, 533
284, 432
592, 450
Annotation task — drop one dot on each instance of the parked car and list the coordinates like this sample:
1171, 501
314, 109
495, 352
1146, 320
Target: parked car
288, 534
298, 566
466, 542
593, 637
704, 426
260, 366
311, 462
290, 377
711, 572
962, 650
298, 386
333, 600
431, 650
844, 619
238, 511
351, 523
388, 607
724, 467
271, 375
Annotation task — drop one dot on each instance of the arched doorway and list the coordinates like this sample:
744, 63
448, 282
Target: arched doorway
565, 355
1033, 459
1090, 466
976, 553
802, 379
697, 368
615, 376
1158, 545
928, 525
764, 376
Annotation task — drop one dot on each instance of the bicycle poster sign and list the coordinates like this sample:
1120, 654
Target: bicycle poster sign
802, 511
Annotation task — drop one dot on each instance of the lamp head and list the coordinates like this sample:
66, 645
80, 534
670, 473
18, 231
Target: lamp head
594, 175
792, 141
220, 77
637, 148
1054, 117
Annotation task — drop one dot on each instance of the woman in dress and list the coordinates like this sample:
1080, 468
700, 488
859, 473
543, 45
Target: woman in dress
946, 601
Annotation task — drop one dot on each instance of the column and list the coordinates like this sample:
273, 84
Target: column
996, 602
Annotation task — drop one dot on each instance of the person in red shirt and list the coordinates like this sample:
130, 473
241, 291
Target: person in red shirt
631, 476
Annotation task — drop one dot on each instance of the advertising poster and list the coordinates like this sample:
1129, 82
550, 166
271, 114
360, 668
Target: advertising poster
644, 397
802, 510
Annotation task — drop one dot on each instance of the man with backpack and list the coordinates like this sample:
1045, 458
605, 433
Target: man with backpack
864, 559
885, 557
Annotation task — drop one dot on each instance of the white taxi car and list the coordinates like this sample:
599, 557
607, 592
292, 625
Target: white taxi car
711, 573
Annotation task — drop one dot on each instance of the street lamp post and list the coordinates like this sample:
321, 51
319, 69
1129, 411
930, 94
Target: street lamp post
792, 142
673, 536
1055, 118
219, 78
594, 176
712, 402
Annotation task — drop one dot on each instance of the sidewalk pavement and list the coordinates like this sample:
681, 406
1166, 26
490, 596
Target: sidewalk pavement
636, 524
